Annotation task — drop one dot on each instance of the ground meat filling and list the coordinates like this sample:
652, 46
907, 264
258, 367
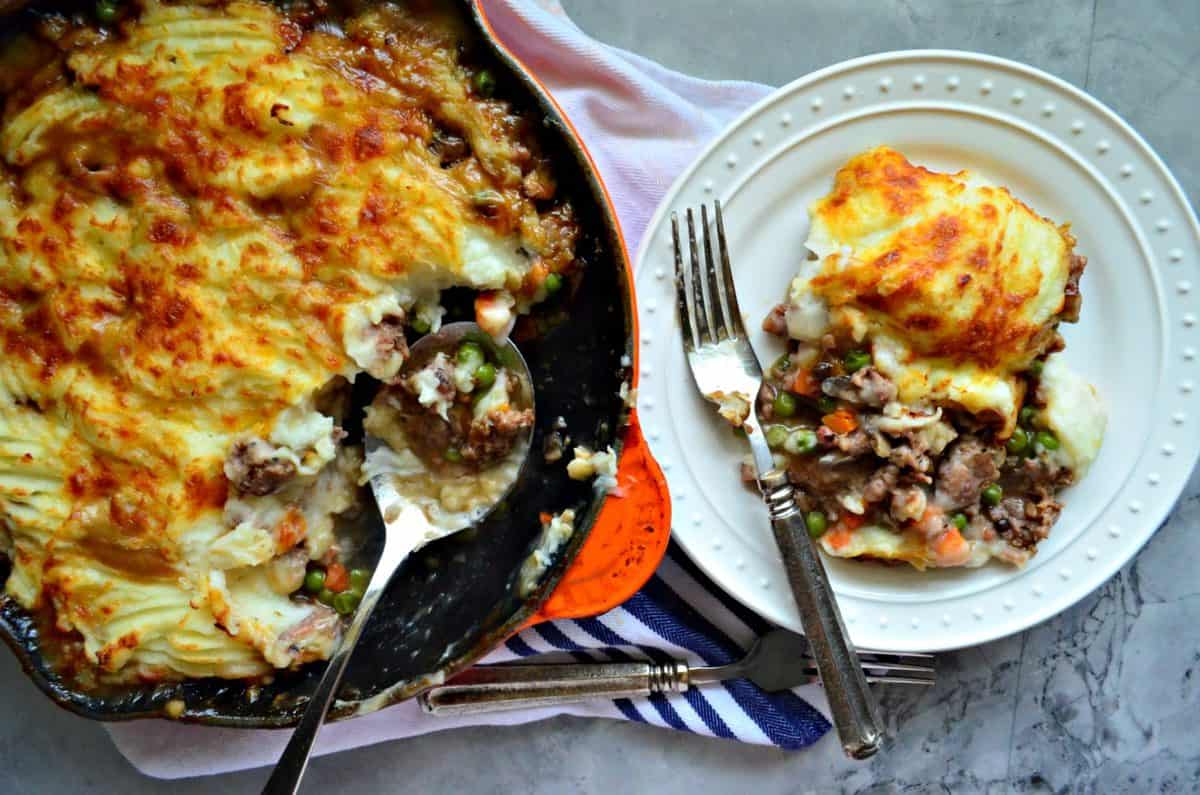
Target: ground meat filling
910, 457
453, 420
1023, 522
881, 484
776, 320
967, 468
1073, 300
858, 457
425, 430
852, 444
822, 485
491, 438
1034, 474
449, 147
255, 467
867, 387
908, 504
389, 337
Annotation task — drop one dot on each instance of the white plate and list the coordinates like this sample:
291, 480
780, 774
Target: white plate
1068, 156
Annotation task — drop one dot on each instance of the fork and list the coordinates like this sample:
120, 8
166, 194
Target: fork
779, 660
727, 371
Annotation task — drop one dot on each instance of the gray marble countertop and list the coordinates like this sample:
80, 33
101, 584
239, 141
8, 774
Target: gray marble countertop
1103, 698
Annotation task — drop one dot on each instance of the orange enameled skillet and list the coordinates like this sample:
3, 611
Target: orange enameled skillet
450, 605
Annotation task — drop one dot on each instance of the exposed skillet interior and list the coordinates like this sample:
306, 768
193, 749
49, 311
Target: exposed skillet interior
457, 599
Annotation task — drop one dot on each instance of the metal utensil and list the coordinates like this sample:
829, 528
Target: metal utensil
779, 660
727, 371
407, 530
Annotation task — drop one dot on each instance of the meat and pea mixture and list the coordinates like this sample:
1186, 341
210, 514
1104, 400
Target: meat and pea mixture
459, 410
930, 486
456, 426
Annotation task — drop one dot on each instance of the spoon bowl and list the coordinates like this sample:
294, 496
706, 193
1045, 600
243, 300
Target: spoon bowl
452, 495
408, 526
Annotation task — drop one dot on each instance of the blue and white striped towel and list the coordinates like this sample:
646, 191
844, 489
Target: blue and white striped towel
643, 125
680, 614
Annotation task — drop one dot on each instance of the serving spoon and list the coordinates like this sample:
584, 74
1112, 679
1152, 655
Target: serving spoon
406, 530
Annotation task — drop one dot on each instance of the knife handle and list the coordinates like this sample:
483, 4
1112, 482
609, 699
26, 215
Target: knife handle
492, 688
850, 702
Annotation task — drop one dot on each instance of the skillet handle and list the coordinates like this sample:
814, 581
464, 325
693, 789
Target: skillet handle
494, 688
625, 545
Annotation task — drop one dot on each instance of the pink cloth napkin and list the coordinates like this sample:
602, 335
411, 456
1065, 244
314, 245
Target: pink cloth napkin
643, 125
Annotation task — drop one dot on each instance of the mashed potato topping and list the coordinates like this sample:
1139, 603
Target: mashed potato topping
209, 213
958, 284
921, 411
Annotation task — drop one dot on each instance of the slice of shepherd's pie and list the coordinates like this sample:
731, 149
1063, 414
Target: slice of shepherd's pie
921, 409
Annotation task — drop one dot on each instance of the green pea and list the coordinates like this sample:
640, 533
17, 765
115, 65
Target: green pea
471, 355
345, 602
1027, 415
992, 494
487, 199
856, 360
1047, 440
485, 376
785, 404
1018, 442
485, 83
776, 436
107, 11
453, 455
359, 578
826, 404
420, 325
326, 596
553, 283
1036, 368
800, 442
314, 581
816, 523
959, 521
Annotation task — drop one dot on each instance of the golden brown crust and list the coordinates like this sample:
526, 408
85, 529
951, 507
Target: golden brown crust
958, 270
198, 208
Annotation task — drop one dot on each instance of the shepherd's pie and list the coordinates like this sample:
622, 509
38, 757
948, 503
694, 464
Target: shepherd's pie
213, 216
922, 408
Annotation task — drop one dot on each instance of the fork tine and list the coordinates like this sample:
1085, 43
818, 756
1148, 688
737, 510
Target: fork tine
714, 282
897, 667
883, 670
883, 661
894, 656
899, 680
699, 300
924, 676
683, 296
733, 313
877, 657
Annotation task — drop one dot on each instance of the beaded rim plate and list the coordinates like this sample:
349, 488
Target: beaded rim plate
1068, 156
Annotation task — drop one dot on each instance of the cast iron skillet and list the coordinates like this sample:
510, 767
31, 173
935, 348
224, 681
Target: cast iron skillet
458, 599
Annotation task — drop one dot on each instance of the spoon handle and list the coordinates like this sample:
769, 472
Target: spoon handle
285, 780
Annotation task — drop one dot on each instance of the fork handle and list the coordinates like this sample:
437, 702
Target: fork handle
850, 702
493, 688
